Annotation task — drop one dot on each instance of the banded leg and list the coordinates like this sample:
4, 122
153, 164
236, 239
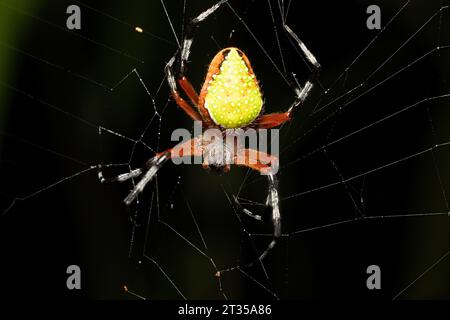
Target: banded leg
147, 173
275, 119
175, 72
253, 159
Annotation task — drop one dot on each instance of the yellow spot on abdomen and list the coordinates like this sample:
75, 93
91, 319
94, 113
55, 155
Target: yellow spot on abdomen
233, 97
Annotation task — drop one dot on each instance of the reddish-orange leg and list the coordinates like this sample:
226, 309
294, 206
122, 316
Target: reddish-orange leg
186, 107
276, 119
256, 160
188, 90
272, 120
190, 148
201, 114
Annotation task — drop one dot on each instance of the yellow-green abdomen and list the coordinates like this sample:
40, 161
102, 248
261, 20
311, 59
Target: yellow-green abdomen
233, 98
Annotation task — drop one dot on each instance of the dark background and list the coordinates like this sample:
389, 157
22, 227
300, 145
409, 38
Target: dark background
54, 94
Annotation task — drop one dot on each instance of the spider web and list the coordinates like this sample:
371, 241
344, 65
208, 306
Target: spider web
364, 174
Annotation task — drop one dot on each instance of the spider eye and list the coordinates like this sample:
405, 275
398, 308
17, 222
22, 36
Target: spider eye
233, 96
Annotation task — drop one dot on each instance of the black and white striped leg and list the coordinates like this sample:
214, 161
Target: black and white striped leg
173, 71
148, 173
273, 201
246, 211
190, 32
120, 178
303, 92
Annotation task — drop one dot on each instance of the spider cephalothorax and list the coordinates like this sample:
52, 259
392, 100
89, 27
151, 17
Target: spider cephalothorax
230, 99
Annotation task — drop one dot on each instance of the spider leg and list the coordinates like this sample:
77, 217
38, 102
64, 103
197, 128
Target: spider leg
308, 55
176, 73
153, 167
120, 178
302, 93
274, 203
176, 96
272, 120
149, 170
190, 31
188, 89
192, 147
246, 211
276, 119
263, 162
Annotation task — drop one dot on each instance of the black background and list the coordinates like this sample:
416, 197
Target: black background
46, 71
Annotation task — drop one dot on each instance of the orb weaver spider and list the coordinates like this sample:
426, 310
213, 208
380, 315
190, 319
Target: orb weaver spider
230, 98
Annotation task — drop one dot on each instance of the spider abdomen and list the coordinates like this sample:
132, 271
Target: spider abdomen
231, 92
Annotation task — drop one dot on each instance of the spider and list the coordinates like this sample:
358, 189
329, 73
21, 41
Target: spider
230, 98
